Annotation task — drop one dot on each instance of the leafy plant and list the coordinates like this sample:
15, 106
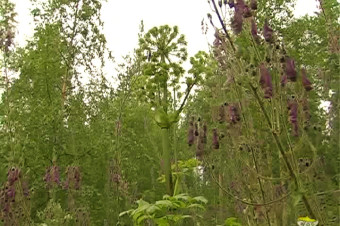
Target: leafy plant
169, 210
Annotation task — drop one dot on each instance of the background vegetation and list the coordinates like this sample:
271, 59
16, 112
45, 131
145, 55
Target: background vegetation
238, 139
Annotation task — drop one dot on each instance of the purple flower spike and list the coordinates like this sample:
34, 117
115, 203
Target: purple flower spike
305, 81
267, 32
56, 174
237, 21
246, 12
290, 69
266, 82
234, 116
11, 192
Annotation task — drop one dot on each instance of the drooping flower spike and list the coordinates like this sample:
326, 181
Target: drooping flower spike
266, 81
290, 69
267, 32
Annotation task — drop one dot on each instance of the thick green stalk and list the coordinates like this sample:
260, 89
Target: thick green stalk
167, 162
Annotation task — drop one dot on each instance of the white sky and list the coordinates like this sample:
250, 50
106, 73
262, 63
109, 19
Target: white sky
122, 19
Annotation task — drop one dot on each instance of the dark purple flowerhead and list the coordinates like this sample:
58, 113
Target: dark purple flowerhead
231, 3
305, 81
266, 81
196, 129
237, 21
200, 145
55, 174
290, 69
233, 114
267, 32
253, 4
246, 12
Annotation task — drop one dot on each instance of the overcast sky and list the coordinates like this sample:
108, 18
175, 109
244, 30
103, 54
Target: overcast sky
122, 19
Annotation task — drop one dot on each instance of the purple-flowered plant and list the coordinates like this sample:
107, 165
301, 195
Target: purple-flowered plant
267, 32
290, 69
233, 114
266, 81
253, 4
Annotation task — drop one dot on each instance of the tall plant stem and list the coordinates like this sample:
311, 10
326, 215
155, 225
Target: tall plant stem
166, 159
284, 156
260, 183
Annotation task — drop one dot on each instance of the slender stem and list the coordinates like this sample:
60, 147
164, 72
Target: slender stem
223, 26
260, 183
246, 202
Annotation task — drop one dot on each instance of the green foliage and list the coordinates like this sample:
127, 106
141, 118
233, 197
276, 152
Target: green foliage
231, 221
54, 215
171, 209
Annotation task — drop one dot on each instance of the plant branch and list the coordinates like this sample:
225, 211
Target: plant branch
246, 202
223, 26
